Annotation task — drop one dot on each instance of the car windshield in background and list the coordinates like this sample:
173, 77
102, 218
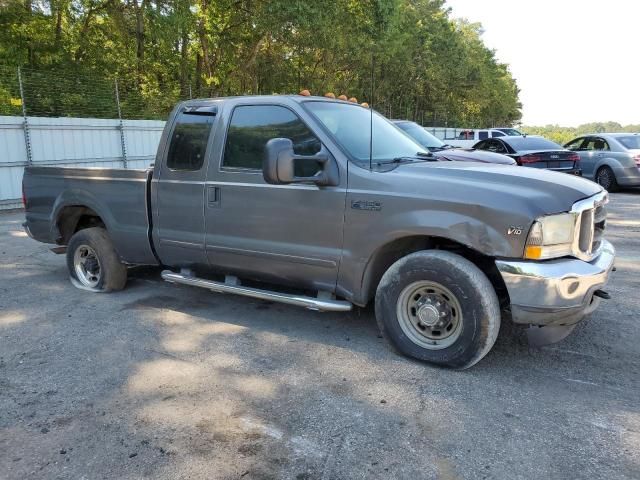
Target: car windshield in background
351, 126
632, 142
512, 132
530, 143
418, 133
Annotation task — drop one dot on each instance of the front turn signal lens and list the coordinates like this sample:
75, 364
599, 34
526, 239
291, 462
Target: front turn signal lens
533, 252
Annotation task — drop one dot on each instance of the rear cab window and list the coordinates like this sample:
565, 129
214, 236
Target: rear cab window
483, 135
188, 142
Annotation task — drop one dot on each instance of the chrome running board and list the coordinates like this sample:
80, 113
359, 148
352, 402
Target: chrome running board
232, 285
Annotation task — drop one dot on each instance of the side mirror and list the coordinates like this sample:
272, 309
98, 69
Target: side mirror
282, 166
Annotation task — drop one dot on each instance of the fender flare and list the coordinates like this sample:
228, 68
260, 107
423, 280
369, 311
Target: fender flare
78, 198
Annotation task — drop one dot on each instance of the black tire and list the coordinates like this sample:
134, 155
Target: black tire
607, 179
111, 272
478, 326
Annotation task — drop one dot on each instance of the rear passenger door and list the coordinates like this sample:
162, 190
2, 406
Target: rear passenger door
288, 233
593, 150
178, 192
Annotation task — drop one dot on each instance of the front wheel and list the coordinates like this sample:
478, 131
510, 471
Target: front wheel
93, 262
438, 307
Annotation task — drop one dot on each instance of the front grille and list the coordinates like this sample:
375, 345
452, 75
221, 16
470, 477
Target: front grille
592, 221
599, 223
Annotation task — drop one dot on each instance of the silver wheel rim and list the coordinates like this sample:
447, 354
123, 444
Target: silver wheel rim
429, 315
604, 178
87, 266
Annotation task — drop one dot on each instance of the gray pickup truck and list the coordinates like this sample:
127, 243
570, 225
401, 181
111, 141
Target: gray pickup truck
326, 204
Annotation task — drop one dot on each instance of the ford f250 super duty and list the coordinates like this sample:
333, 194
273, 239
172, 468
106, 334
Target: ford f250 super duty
326, 204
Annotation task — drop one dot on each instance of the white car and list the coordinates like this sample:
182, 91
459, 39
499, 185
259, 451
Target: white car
468, 138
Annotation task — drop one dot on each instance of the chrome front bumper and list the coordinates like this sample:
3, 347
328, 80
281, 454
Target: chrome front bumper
555, 292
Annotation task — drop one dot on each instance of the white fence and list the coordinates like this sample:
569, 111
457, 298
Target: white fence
65, 142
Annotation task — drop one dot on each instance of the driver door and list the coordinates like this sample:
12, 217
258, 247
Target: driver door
289, 233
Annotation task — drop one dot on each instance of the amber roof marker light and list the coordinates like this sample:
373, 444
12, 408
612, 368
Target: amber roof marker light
305, 93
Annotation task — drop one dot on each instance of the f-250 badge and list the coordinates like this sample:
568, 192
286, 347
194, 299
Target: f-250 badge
366, 205
514, 231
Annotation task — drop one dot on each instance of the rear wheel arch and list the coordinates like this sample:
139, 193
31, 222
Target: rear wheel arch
388, 254
72, 218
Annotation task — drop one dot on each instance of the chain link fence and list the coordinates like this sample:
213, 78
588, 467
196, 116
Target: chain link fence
53, 117
61, 119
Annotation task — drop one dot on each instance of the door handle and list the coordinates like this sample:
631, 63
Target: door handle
213, 196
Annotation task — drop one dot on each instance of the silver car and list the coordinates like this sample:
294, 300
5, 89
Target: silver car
611, 159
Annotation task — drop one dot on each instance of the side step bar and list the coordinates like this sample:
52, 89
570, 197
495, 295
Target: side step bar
232, 285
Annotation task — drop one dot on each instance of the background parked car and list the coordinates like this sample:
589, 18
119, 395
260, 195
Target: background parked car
536, 152
467, 138
447, 152
611, 159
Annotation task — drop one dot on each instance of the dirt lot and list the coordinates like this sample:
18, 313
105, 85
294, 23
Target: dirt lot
169, 382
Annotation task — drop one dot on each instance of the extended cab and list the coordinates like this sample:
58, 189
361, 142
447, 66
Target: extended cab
290, 199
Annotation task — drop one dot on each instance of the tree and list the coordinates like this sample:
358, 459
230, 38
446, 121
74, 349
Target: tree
425, 64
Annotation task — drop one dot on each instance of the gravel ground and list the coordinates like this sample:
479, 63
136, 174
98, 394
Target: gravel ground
170, 382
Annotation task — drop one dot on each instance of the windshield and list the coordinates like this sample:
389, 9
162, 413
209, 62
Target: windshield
512, 132
632, 142
531, 143
419, 134
351, 126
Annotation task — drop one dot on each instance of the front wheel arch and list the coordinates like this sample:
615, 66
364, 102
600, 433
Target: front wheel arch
388, 254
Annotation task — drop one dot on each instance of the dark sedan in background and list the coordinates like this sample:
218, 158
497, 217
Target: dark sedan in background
447, 152
611, 159
536, 152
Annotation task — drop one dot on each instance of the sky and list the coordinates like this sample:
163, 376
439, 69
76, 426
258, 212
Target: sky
574, 61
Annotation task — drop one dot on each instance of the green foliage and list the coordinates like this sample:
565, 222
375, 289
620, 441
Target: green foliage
427, 67
562, 135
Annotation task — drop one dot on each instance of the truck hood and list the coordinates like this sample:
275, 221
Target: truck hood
526, 191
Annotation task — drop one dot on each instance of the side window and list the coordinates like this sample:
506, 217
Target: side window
601, 144
252, 126
575, 144
189, 141
483, 135
497, 134
481, 145
494, 146
597, 144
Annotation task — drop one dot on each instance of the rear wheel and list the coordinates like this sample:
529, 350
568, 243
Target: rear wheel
439, 307
93, 262
607, 179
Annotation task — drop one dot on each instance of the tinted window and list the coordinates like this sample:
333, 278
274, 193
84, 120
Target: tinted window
189, 141
510, 132
253, 126
531, 143
595, 143
574, 144
483, 135
494, 146
466, 135
631, 142
418, 133
497, 134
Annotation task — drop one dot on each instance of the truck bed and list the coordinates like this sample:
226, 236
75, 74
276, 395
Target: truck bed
118, 196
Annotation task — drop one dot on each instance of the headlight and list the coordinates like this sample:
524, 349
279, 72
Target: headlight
551, 237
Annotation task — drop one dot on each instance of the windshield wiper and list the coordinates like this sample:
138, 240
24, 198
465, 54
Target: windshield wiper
418, 157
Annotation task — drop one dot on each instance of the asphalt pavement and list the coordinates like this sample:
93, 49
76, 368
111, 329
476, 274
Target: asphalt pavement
169, 382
